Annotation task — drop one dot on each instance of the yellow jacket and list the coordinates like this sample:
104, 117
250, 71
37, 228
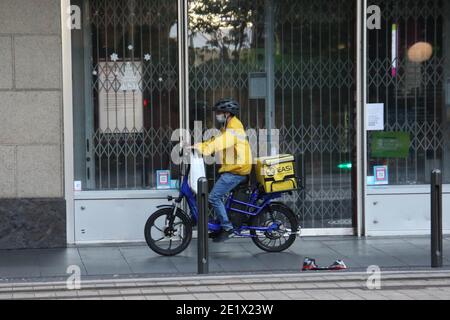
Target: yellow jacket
232, 147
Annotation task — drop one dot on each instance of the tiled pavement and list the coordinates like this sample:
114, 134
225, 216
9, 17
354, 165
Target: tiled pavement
398, 285
236, 256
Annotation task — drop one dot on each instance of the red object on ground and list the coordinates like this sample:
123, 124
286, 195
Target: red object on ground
310, 265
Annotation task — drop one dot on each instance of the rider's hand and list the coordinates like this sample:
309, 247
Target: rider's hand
194, 147
188, 146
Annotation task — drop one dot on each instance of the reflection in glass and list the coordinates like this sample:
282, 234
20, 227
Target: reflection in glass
312, 50
414, 99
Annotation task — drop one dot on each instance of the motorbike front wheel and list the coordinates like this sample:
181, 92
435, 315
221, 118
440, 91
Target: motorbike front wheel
168, 235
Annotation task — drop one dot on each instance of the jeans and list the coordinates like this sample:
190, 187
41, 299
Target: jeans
225, 184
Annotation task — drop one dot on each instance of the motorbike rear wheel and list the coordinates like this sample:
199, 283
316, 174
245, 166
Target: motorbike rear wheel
285, 233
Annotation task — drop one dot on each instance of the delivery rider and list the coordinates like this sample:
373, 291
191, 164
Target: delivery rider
233, 150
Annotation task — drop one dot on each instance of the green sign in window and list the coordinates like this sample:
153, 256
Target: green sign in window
390, 144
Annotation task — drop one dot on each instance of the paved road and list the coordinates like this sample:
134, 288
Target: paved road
403, 285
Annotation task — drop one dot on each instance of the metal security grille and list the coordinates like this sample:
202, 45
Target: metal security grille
135, 92
413, 95
133, 78
314, 87
315, 91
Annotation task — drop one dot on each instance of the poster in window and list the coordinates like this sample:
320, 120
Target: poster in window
390, 145
119, 95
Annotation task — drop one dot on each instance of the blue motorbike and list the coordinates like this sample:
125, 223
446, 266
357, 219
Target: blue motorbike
270, 224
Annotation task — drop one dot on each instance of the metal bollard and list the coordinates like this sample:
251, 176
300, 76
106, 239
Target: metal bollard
202, 226
436, 219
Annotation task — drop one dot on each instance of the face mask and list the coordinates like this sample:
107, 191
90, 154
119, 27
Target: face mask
221, 118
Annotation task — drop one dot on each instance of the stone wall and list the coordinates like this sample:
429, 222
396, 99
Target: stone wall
32, 206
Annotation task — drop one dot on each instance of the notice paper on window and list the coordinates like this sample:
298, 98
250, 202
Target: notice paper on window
375, 117
120, 98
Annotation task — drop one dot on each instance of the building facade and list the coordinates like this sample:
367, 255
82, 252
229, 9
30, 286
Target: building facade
92, 94
33, 208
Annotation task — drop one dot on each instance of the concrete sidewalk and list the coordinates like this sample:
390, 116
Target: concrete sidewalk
237, 256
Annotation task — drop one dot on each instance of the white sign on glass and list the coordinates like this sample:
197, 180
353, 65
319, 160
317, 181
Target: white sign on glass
77, 186
375, 117
120, 97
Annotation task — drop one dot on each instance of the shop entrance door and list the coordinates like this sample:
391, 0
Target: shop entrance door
292, 66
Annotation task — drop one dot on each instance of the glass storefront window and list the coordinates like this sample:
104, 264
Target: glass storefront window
408, 72
303, 54
291, 64
131, 104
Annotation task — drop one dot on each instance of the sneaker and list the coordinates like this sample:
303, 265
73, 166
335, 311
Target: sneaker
338, 265
223, 235
309, 264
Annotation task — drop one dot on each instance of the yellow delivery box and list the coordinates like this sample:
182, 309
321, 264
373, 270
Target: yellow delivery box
276, 173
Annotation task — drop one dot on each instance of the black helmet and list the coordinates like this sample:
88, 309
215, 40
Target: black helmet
227, 105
